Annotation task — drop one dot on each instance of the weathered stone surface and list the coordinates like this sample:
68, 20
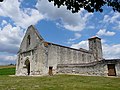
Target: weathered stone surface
49, 58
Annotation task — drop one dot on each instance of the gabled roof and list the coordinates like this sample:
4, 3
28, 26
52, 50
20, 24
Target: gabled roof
35, 30
49, 43
81, 49
40, 37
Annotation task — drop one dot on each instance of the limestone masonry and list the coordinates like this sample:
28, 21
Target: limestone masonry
38, 57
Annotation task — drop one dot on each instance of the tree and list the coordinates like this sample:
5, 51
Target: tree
89, 5
1, 0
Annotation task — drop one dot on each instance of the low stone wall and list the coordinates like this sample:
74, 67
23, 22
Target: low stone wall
92, 69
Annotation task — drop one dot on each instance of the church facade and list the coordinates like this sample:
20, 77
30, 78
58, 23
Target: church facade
39, 57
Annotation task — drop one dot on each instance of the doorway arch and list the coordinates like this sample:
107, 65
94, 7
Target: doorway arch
27, 63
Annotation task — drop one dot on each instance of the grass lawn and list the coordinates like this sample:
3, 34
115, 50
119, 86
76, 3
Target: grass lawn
57, 82
7, 70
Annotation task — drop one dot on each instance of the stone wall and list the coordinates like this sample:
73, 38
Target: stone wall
98, 69
20, 69
64, 55
118, 68
35, 52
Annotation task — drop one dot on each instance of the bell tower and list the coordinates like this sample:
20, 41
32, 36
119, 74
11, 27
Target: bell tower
95, 46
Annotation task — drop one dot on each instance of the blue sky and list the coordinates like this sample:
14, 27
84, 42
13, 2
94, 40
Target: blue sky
56, 25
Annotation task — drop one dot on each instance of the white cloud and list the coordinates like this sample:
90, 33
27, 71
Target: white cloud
8, 57
4, 22
106, 18
70, 21
112, 18
76, 36
10, 8
115, 18
10, 38
90, 27
82, 44
71, 40
22, 17
109, 51
103, 32
28, 19
117, 27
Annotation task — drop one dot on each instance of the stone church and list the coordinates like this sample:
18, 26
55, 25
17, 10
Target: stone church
39, 57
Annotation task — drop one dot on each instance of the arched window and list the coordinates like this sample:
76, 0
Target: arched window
28, 40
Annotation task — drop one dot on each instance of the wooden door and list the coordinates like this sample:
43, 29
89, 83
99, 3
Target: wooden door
111, 70
50, 71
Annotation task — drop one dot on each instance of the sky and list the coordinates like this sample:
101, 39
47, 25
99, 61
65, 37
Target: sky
56, 25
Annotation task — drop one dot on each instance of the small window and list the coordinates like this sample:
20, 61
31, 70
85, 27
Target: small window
28, 40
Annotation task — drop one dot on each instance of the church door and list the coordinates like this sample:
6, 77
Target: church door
50, 71
27, 63
111, 70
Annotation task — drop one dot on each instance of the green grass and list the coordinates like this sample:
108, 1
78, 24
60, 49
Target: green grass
7, 70
59, 82
56, 82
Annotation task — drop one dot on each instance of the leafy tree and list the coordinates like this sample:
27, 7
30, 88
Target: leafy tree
1, 0
89, 5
